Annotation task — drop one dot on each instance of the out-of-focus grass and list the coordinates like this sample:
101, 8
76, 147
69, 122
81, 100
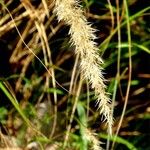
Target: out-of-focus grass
35, 111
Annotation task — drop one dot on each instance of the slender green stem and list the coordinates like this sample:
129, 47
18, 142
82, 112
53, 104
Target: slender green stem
130, 71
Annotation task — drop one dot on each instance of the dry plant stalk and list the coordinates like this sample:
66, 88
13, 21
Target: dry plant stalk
82, 37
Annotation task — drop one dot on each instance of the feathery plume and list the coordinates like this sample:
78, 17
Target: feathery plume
82, 37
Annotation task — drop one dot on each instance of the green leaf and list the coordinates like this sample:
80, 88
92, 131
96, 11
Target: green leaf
83, 124
54, 90
120, 140
3, 113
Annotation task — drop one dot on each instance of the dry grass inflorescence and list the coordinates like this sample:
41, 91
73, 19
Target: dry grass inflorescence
82, 36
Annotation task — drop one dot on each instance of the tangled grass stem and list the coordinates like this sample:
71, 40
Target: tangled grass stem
82, 37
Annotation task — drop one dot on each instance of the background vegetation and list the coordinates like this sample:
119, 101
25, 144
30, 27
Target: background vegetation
42, 94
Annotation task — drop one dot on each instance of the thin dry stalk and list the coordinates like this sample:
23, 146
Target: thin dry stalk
112, 15
46, 50
129, 75
72, 113
82, 36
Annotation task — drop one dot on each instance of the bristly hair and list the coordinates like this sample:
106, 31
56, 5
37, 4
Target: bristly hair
91, 137
82, 37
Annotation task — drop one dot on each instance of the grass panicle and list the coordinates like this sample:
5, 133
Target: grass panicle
92, 138
82, 37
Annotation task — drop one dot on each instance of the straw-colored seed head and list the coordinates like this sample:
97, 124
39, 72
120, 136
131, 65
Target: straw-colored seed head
82, 36
92, 138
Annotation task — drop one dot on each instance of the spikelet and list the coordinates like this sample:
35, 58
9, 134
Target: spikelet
82, 37
91, 137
